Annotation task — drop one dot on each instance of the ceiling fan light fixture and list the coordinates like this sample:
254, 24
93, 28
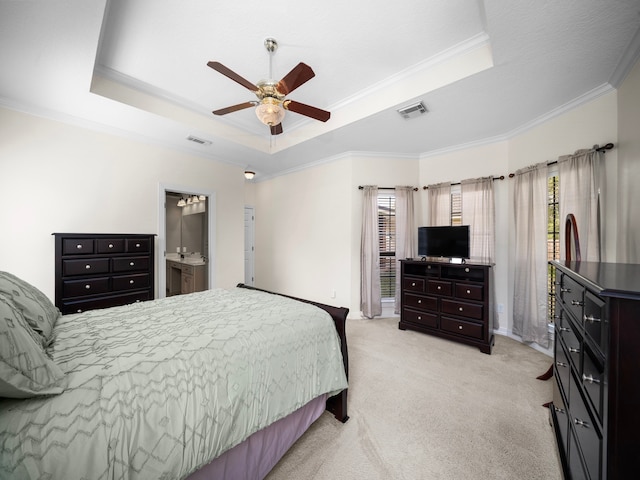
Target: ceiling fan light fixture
270, 112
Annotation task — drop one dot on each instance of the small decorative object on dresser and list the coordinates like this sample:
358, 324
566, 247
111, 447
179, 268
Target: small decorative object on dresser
452, 301
597, 365
102, 270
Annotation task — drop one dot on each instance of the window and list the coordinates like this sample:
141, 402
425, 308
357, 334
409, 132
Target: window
456, 205
387, 242
553, 238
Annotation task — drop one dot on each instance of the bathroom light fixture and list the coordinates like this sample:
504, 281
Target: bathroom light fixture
181, 202
202, 198
195, 199
248, 174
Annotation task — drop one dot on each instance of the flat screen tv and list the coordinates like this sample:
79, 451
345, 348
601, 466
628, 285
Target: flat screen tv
449, 242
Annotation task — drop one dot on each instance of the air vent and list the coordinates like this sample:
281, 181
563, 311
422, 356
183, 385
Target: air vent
191, 138
412, 111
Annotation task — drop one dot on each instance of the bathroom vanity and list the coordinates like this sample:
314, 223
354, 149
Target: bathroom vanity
185, 275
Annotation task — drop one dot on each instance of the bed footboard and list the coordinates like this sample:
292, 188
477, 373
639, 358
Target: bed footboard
338, 403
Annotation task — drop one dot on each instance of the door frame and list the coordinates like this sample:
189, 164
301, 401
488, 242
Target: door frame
253, 243
161, 240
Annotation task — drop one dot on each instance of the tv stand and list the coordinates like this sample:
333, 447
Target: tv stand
448, 300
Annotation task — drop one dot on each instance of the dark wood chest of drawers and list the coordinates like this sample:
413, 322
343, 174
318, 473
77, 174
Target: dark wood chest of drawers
102, 270
596, 397
448, 300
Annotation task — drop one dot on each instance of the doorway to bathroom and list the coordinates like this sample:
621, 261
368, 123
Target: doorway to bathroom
185, 263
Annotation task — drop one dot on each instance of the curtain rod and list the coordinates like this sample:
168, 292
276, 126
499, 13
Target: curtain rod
501, 177
596, 148
415, 189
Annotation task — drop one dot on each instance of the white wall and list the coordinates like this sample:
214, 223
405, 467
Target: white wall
55, 177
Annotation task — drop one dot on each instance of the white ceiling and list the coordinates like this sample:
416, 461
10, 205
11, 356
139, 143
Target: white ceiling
484, 70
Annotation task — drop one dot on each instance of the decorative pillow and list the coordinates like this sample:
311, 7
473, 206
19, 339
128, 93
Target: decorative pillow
25, 369
35, 306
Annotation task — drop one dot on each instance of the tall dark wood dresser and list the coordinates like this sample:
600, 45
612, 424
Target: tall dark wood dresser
102, 270
596, 400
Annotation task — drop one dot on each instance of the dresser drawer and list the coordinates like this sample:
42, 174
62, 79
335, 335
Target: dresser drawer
465, 309
77, 246
572, 296
439, 287
469, 292
90, 266
594, 320
130, 264
421, 318
561, 367
586, 430
572, 341
89, 286
78, 306
110, 245
420, 302
130, 282
561, 412
138, 245
413, 284
461, 327
593, 381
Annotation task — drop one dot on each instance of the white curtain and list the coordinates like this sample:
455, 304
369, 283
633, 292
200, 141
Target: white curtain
579, 194
478, 211
530, 285
370, 296
439, 204
405, 233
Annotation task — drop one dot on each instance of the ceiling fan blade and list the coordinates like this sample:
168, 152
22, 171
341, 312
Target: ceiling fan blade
307, 110
234, 108
276, 129
218, 67
300, 74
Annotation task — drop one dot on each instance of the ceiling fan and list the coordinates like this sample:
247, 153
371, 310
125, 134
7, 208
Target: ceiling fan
271, 103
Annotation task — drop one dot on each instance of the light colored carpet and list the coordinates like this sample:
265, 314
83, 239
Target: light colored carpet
427, 408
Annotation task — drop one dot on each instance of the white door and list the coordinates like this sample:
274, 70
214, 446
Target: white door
249, 247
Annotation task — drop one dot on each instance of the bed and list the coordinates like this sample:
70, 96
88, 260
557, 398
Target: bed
215, 384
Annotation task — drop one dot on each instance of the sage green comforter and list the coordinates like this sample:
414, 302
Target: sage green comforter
158, 389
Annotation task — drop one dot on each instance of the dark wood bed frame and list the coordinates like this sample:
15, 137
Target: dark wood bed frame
338, 403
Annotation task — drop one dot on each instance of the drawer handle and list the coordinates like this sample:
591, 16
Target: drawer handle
131, 264
558, 409
439, 287
577, 421
111, 245
419, 301
460, 309
131, 282
79, 246
87, 286
590, 319
565, 290
564, 329
561, 364
419, 317
87, 267
413, 284
137, 245
577, 303
468, 292
429, 267
466, 270
590, 379
79, 310
574, 350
